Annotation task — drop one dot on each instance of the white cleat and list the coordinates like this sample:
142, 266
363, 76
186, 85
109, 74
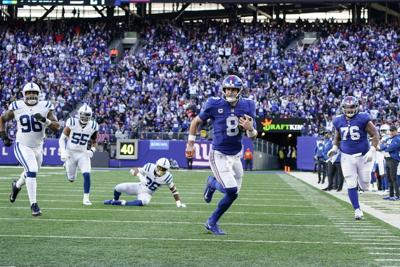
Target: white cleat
87, 202
358, 215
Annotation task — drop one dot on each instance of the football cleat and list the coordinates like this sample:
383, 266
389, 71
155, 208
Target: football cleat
214, 229
108, 201
14, 191
35, 210
209, 190
358, 215
86, 202
114, 202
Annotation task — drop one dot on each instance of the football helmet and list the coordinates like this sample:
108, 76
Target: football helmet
31, 99
384, 129
85, 114
350, 106
162, 166
233, 82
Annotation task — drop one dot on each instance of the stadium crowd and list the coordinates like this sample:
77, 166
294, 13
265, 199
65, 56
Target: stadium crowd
161, 86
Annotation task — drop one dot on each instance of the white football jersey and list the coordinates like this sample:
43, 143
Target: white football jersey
79, 137
153, 182
30, 132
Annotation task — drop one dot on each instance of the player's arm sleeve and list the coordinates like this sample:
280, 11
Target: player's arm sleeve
145, 169
206, 111
62, 141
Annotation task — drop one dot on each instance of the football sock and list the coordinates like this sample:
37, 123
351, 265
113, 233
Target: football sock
223, 205
116, 194
21, 180
134, 203
86, 183
215, 184
31, 186
353, 195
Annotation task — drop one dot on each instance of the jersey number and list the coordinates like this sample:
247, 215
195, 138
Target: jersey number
29, 124
232, 124
151, 184
80, 139
353, 130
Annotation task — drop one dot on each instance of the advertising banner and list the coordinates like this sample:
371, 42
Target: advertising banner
281, 125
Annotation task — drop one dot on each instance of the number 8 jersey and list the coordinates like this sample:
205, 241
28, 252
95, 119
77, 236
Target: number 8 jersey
353, 135
80, 135
30, 132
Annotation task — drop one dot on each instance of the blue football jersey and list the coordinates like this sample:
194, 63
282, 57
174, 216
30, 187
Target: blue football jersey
353, 136
227, 136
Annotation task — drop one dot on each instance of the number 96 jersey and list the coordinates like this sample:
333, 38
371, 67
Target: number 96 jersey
80, 135
30, 132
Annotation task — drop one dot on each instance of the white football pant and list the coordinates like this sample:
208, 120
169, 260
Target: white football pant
227, 169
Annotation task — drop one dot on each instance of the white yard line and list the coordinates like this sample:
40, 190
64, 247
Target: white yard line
215, 239
130, 209
161, 222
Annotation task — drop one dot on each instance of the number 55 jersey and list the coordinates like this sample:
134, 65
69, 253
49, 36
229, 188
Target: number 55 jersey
80, 134
30, 132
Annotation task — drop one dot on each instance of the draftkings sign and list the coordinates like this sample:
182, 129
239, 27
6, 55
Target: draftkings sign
281, 125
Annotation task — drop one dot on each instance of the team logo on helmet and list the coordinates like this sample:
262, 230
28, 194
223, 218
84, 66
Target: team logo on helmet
31, 92
162, 166
350, 106
85, 114
233, 82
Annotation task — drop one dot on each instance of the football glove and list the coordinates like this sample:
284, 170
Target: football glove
63, 157
179, 204
91, 152
39, 117
6, 140
370, 155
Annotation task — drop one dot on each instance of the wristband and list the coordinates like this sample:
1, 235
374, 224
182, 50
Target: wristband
47, 122
251, 133
93, 149
192, 137
372, 148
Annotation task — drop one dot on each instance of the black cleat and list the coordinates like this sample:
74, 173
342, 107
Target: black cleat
35, 210
14, 191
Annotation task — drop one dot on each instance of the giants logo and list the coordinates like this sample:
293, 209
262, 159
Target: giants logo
201, 154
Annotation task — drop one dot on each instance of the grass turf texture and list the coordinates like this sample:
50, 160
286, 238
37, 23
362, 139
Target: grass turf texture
276, 221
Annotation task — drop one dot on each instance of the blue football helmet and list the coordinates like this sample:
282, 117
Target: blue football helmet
350, 106
233, 82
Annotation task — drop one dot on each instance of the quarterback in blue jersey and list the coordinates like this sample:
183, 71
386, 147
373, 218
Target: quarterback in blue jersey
357, 156
231, 116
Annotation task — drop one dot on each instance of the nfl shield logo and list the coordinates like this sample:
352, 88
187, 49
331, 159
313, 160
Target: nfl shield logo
220, 111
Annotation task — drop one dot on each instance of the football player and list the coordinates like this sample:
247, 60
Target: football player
32, 116
151, 177
75, 152
231, 116
357, 156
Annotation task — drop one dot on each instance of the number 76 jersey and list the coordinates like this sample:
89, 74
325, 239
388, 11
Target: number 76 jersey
353, 134
80, 135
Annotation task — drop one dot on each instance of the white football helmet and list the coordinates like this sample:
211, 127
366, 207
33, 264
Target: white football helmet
85, 114
162, 166
31, 99
384, 129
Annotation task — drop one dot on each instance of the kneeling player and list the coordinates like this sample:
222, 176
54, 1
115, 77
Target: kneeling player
151, 177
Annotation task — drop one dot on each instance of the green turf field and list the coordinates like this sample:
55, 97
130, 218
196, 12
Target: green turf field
276, 221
